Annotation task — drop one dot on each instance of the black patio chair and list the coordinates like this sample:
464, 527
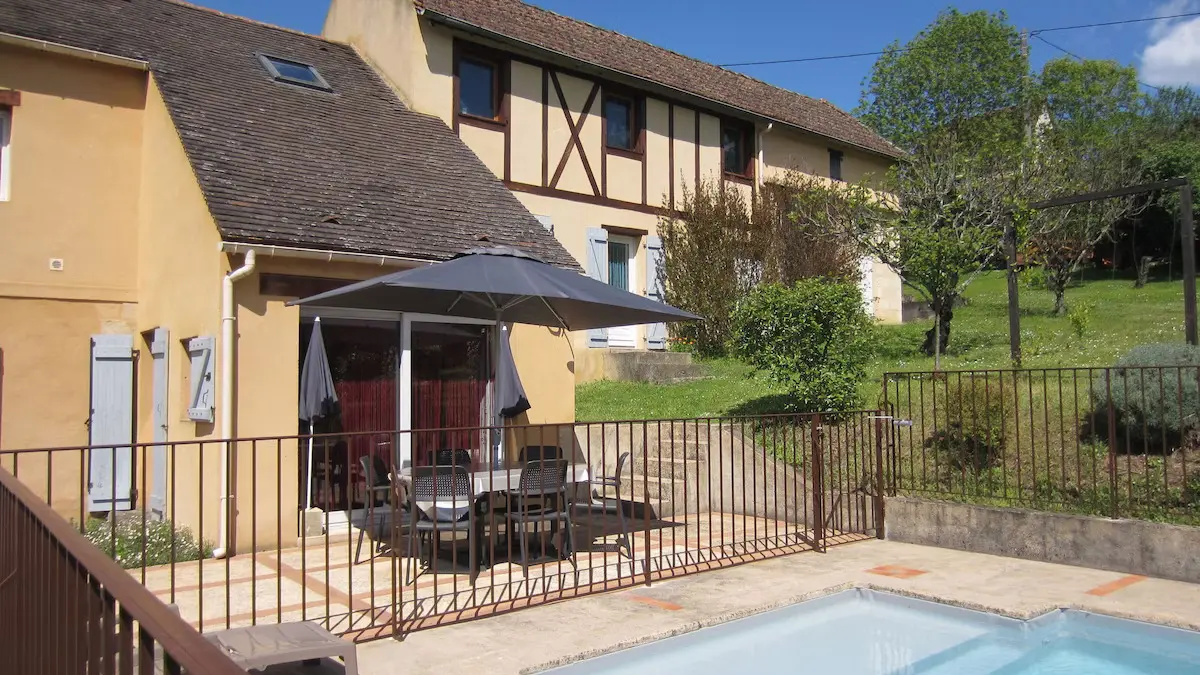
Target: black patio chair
444, 499
602, 502
452, 457
541, 497
537, 453
376, 491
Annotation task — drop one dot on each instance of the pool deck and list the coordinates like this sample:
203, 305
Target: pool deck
537, 638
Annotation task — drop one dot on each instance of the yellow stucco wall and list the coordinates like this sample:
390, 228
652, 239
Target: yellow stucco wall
413, 58
75, 161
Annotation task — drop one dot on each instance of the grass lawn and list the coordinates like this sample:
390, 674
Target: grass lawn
1120, 318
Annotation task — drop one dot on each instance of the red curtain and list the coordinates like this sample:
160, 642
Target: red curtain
367, 405
448, 404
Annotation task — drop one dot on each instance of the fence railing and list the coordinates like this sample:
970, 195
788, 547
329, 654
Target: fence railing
1115, 442
68, 608
647, 500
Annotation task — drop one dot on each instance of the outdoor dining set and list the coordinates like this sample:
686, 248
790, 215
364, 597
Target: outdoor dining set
416, 507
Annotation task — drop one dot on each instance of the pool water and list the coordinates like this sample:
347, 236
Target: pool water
872, 633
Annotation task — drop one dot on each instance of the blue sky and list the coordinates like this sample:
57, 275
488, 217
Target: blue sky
715, 31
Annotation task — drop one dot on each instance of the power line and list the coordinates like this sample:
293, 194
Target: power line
1080, 58
1114, 23
1034, 33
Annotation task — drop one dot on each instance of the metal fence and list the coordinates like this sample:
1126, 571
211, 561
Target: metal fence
1115, 442
68, 608
647, 500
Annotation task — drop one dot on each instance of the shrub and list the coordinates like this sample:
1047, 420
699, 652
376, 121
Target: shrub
973, 437
1148, 404
125, 541
814, 338
1080, 316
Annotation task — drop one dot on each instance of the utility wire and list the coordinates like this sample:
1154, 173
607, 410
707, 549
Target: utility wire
1034, 33
1080, 58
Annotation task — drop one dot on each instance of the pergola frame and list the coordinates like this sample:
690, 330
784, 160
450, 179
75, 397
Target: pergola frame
1187, 237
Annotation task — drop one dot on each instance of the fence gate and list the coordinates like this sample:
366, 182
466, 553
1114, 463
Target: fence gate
845, 466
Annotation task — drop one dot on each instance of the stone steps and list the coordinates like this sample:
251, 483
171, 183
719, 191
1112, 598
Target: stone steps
648, 366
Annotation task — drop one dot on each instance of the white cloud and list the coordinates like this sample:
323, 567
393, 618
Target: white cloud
1173, 55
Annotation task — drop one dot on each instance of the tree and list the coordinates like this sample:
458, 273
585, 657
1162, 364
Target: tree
705, 244
937, 219
961, 67
1085, 142
954, 97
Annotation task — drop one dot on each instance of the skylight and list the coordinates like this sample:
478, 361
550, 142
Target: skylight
294, 72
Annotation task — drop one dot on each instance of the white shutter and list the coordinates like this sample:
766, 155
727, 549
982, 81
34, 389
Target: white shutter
110, 424
597, 268
201, 397
656, 333
547, 222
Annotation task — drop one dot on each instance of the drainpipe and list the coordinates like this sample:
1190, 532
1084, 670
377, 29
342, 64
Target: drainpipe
758, 174
225, 413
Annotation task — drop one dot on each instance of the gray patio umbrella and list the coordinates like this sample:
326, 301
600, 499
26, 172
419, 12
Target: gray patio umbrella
318, 399
504, 284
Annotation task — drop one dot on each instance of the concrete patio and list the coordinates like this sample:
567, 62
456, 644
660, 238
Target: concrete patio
369, 598
540, 637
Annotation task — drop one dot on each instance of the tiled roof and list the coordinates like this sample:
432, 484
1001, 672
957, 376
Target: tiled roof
614, 51
353, 170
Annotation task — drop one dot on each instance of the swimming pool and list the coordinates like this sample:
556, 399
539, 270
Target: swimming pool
868, 632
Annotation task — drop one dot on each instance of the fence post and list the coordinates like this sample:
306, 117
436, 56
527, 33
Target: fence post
646, 495
818, 485
879, 493
1113, 511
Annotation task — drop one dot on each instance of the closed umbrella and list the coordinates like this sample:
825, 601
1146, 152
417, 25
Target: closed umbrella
510, 393
318, 399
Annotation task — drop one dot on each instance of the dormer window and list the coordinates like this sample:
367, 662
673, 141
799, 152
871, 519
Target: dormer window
294, 72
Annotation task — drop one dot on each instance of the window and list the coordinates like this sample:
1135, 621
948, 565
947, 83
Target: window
5, 164
620, 123
478, 88
835, 164
294, 72
735, 149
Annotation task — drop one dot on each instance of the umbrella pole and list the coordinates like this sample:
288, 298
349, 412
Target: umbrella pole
497, 445
308, 485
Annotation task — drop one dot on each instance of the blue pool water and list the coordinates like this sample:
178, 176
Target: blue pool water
862, 632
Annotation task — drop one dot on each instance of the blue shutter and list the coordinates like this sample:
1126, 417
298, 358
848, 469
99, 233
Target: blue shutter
201, 397
159, 348
656, 333
597, 268
110, 424
547, 222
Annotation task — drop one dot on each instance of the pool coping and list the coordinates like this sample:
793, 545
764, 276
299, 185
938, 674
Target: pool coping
1022, 615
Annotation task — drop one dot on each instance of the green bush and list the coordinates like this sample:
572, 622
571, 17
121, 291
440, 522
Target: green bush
814, 338
972, 439
134, 547
1150, 405
1080, 316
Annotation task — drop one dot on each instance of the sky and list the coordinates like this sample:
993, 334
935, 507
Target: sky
1165, 52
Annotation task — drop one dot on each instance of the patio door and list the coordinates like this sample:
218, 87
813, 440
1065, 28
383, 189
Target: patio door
622, 252
451, 384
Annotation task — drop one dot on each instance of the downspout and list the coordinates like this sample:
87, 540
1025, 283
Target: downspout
758, 173
225, 413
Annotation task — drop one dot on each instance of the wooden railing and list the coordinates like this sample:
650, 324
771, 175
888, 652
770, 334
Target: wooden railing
66, 607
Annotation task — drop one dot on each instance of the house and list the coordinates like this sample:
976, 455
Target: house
172, 177
596, 132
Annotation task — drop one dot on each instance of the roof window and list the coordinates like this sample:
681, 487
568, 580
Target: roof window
294, 72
